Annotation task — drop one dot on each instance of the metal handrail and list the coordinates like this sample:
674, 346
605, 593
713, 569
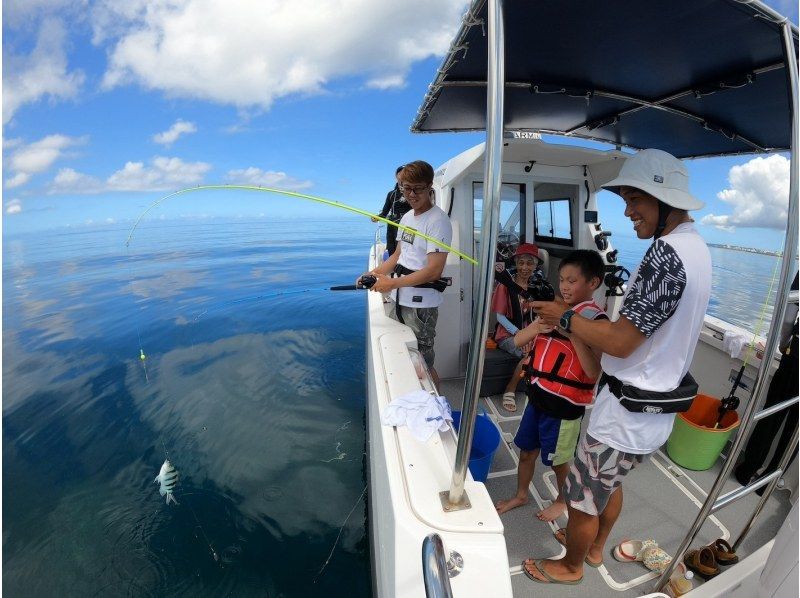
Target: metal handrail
758, 397
434, 568
489, 223
775, 408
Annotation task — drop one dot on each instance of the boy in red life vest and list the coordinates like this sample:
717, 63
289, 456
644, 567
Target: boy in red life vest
561, 372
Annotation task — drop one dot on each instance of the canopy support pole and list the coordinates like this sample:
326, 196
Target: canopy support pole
492, 177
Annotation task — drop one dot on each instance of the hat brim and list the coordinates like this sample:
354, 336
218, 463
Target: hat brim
670, 196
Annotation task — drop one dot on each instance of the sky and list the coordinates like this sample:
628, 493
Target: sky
109, 105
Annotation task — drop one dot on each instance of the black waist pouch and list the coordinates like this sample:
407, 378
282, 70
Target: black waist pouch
649, 401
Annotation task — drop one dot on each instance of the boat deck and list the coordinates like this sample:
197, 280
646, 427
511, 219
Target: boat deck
661, 501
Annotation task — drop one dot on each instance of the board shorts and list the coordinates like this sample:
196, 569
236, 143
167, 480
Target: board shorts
595, 474
555, 438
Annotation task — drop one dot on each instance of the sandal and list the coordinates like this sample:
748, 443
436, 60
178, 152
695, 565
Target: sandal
724, 554
656, 559
702, 562
629, 551
510, 401
547, 577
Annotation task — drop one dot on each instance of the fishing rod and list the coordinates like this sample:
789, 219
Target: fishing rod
327, 202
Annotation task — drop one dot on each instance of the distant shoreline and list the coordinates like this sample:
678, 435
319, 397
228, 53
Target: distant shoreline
746, 249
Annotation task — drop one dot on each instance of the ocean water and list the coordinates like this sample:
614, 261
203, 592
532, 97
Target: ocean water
253, 384
743, 284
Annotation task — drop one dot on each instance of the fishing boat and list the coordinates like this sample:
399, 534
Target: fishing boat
696, 78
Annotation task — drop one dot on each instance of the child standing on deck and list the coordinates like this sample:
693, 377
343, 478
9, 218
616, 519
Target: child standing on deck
561, 372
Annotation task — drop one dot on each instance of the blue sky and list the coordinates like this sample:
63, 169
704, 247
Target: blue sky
109, 105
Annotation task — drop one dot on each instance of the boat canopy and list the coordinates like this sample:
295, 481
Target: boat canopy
692, 77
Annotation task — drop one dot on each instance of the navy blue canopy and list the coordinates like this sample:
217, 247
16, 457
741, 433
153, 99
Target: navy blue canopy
691, 77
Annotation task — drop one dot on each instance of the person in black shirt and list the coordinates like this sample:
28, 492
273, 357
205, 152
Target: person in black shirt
393, 208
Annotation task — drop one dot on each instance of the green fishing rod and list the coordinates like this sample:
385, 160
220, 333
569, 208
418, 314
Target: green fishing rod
327, 202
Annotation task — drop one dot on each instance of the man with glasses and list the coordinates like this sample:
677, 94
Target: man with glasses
417, 262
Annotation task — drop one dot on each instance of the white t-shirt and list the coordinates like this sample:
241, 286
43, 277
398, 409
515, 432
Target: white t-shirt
666, 301
414, 251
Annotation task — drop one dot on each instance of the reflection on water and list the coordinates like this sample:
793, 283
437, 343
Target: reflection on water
258, 398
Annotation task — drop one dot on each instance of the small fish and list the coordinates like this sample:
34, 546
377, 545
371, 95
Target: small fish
168, 478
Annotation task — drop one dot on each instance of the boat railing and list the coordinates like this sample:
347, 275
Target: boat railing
434, 568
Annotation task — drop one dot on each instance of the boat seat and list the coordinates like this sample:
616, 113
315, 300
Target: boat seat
498, 366
544, 256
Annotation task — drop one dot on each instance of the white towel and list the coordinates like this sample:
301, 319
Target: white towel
733, 342
421, 411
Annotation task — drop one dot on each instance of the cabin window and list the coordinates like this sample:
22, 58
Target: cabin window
553, 213
512, 213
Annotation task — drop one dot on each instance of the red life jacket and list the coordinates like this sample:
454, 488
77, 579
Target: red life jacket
554, 365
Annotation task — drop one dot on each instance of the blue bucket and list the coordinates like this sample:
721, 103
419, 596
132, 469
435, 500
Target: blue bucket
485, 442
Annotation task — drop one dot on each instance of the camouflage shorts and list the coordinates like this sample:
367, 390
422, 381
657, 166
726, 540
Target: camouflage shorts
595, 474
422, 321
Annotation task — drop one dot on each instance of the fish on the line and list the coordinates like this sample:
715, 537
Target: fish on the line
168, 479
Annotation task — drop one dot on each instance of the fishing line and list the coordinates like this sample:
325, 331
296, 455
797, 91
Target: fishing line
202, 531
142, 356
328, 560
731, 402
327, 202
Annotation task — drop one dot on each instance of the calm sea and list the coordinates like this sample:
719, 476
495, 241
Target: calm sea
252, 383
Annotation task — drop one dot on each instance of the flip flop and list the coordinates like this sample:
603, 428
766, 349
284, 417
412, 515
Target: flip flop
510, 401
547, 576
561, 537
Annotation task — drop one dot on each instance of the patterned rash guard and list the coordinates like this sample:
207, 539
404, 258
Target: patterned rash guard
666, 301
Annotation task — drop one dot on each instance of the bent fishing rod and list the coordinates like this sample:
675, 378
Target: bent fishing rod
327, 202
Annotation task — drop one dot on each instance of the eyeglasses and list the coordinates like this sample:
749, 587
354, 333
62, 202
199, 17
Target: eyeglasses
416, 189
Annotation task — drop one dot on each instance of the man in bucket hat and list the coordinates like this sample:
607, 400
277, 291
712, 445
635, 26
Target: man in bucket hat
646, 356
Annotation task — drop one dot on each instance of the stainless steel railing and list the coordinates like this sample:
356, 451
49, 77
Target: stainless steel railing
434, 568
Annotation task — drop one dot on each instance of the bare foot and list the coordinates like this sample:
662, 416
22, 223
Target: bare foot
553, 512
512, 503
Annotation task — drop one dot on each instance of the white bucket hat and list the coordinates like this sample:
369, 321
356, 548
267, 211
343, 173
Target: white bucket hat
661, 175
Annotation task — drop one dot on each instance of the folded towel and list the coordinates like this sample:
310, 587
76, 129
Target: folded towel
422, 411
733, 343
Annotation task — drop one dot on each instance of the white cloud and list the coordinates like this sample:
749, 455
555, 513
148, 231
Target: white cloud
186, 48
758, 193
389, 82
171, 135
266, 178
13, 206
162, 174
42, 73
26, 160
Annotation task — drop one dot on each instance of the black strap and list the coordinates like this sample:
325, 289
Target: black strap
439, 285
514, 293
553, 377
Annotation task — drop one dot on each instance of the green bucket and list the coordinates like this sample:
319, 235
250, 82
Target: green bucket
694, 442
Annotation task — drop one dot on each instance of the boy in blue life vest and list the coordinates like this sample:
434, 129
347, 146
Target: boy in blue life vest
561, 374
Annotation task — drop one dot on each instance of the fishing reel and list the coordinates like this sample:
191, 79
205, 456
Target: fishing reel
367, 281
615, 279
